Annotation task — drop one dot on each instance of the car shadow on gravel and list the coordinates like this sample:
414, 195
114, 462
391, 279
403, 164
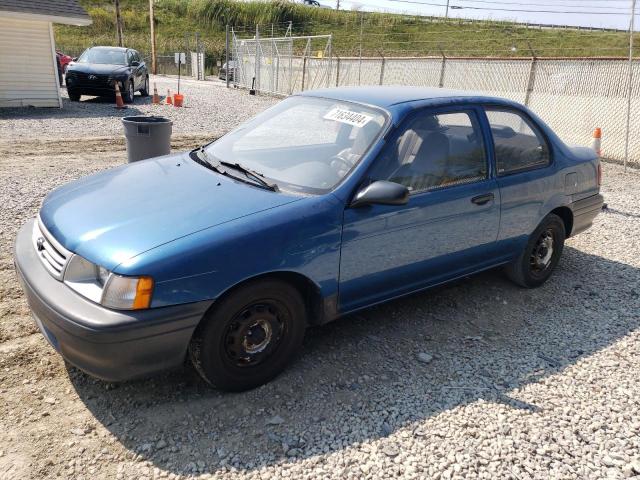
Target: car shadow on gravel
360, 379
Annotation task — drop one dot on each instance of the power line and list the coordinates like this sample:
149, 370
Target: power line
460, 7
562, 5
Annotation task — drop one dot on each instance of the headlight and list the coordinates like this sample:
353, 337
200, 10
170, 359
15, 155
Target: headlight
109, 289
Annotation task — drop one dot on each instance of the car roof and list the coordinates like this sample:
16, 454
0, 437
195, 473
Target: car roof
387, 96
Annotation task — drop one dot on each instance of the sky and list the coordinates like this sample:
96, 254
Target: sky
585, 13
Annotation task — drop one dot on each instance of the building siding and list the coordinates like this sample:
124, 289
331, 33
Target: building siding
28, 72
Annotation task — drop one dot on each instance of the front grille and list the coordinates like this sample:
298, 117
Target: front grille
54, 256
91, 80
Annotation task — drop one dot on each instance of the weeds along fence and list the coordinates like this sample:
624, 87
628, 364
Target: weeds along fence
573, 95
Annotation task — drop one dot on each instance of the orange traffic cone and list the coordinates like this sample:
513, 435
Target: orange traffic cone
169, 100
156, 97
596, 142
119, 102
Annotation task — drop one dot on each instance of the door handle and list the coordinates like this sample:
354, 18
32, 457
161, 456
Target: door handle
482, 199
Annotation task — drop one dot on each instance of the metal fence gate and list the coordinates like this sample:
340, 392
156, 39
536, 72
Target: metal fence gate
281, 65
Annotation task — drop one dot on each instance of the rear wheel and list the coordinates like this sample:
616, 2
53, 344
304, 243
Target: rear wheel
250, 337
540, 257
73, 95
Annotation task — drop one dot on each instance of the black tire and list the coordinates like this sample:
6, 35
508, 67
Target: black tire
144, 91
73, 95
250, 336
540, 257
128, 92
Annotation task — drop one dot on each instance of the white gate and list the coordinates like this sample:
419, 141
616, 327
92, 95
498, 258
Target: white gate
282, 65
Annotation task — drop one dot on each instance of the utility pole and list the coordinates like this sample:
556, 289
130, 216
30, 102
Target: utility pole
152, 27
118, 22
337, 4
360, 53
446, 12
629, 79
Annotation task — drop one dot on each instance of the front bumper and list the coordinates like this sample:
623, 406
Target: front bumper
108, 344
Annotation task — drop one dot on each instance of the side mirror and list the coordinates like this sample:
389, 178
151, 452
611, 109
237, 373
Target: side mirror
381, 193
135, 64
74, 59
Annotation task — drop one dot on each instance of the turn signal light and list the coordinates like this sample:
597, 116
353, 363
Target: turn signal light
144, 290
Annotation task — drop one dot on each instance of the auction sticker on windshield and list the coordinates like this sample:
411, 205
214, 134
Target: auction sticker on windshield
346, 116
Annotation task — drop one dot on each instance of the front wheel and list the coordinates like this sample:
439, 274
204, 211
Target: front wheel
250, 337
144, 91
73, 95
540, 257
129, 92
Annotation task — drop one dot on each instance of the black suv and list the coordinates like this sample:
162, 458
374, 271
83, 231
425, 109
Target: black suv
98, 69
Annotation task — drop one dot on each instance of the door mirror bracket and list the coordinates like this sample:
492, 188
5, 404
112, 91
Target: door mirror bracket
381, 192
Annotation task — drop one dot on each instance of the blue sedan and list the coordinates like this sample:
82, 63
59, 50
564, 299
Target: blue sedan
329, 202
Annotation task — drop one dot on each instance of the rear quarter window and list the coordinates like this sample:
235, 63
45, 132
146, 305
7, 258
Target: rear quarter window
518, 144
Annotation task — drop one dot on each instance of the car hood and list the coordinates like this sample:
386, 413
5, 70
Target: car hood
112, 216
97, 68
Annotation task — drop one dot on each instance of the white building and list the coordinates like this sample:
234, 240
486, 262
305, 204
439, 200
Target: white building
28, 63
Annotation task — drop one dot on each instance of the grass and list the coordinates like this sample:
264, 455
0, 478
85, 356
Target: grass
177, 21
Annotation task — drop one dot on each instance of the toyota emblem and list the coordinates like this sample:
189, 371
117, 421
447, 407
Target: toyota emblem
40, 244
92, 77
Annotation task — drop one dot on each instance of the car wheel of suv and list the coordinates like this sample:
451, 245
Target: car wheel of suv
540, 257
250, 337
73, 95
129, 92
144, 91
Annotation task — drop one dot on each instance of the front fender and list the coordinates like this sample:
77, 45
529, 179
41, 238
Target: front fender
301, 237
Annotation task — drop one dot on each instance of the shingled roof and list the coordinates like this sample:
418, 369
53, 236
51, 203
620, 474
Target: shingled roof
58, 11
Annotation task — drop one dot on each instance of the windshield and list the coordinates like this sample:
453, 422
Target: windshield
303, 144
104, 56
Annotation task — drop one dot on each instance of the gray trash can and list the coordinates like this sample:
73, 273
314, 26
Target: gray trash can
147, 137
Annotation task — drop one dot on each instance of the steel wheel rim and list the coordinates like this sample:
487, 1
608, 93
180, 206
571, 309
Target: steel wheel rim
131, 92
254, 334
542, 253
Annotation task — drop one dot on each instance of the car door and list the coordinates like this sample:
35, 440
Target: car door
138, 70
450, 224
523, 170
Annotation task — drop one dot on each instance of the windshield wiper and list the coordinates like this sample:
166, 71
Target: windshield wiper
203, 158
256, 176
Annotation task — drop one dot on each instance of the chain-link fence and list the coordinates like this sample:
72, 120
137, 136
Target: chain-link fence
282, 65
573, 95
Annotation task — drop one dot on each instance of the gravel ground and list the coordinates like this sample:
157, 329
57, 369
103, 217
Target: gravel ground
209, 108
479, 379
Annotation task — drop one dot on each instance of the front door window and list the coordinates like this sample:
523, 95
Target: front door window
436, 151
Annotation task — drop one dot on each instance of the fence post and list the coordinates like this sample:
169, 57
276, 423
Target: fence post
337, 71
256, 70
442, 70
382, 71
330, 47
226, 51
629, 79
532, 80
304, 70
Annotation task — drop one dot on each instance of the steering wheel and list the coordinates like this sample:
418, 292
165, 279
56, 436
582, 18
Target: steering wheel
341, 162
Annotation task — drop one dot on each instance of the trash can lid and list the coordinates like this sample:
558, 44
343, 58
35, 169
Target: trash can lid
144, 119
